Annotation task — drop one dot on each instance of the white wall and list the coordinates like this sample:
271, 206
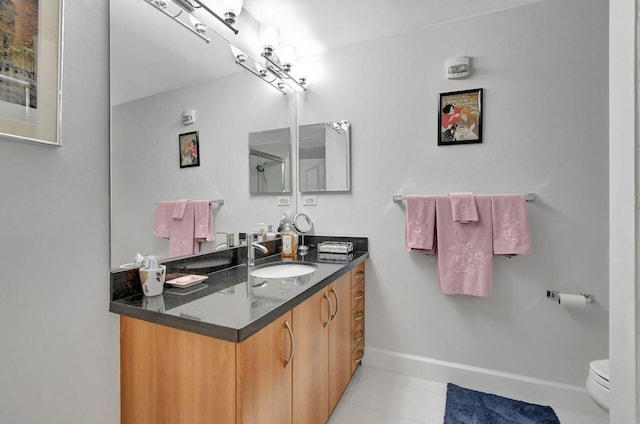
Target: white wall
545, 131
59, 343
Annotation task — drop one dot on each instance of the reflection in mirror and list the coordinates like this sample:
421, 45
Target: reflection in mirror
270, 161
159, 70
324, 156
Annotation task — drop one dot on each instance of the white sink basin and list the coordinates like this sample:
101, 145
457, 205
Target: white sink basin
283, 270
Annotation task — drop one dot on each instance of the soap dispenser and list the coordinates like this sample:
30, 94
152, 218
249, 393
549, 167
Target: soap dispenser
287, 242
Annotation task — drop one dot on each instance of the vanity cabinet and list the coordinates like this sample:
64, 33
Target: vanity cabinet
264, 372
174, 376
293, 371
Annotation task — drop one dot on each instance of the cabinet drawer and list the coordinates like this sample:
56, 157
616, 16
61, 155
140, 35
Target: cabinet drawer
357, 274
357, 335
357, 293
356, 356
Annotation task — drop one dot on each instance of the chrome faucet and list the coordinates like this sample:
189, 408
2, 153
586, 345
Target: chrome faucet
251, 247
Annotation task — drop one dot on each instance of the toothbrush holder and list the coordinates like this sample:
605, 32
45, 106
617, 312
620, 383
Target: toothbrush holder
152, 280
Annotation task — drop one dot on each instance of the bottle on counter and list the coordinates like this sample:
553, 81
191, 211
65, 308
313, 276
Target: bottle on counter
271, 235
262, 232
287, 250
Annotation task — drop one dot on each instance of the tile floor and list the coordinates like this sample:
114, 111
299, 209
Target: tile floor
381, 397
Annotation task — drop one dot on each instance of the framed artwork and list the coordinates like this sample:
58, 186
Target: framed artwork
31, 70
460, 117
189, 149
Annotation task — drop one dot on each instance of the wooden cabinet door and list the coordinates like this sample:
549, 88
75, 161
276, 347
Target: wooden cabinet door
264, 374
170, 376
311, 363
339, 339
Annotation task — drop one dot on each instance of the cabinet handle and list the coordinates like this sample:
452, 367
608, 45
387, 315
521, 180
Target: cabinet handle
358, 336
361, 352
293, 344
337, 303
358, 296
359, 315
330, 309
359, 275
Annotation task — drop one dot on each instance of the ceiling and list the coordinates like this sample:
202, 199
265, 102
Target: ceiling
150, 53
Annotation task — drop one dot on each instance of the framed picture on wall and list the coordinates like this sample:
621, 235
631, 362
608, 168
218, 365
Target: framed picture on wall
30, 70
460, 117
189, 149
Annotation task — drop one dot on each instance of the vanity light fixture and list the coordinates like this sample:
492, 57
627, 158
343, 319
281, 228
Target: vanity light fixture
189, 7
279, 65
259, 71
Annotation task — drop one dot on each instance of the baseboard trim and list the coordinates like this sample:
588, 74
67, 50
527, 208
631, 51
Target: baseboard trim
543, 392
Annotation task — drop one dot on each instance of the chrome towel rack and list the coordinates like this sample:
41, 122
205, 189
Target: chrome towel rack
529, 197
217, 202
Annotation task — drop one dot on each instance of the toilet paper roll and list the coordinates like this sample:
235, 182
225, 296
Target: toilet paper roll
571, 299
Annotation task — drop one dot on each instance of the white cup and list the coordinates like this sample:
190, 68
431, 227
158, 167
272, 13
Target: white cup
152, 280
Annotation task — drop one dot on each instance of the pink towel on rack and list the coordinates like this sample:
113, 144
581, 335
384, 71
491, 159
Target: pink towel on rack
181, 233
465, 261
420, 223
164, 212
203, 221
180, 208
463, 207
511, 234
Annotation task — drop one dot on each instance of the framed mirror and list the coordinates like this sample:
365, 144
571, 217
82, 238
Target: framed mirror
324, 156
270, 161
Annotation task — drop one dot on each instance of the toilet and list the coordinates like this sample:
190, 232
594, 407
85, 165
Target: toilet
598, 383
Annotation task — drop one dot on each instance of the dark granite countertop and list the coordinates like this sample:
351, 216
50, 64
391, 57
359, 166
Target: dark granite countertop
227, 305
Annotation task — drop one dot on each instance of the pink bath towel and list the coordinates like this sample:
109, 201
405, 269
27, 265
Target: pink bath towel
180, 208
164, 212
463, 207
181, 233
203, 221
420, 220
511, 234
465, 261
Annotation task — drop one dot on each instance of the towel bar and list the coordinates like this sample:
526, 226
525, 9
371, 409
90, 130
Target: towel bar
529, 197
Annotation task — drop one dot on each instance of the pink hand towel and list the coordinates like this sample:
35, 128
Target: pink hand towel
465, 261
511, 234
463, 207
180, 208
420, 220
164, 211
203, 222
181, 233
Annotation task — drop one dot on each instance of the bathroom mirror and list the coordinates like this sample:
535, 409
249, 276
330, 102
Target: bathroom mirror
270, 161
324, 156
158, 71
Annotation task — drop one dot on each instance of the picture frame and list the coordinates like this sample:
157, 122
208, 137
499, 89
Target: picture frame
460, 117
189, 149
31, 71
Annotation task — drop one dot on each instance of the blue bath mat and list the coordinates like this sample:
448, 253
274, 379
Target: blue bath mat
465, 406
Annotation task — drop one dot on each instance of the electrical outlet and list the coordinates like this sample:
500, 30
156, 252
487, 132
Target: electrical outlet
309, 201
284, 201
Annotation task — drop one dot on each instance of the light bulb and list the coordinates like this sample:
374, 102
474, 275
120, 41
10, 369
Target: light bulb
237, 53
287, 54
261, 70
233, 6
199, 26
269, 37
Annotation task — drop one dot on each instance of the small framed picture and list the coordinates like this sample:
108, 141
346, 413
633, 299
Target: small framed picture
460, 117
189, 149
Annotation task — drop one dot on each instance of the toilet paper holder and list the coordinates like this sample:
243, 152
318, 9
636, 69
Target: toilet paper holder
555, 295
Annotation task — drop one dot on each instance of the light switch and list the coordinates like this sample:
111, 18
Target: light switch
284, 201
